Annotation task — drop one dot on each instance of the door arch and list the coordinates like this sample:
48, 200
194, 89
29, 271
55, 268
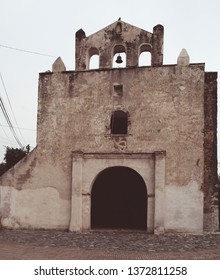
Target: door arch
119, 199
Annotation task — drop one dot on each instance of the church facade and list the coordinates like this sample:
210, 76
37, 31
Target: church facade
130, 147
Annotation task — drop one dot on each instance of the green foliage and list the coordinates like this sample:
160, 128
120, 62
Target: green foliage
12, 156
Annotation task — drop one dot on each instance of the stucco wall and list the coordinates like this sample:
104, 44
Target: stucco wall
35, 193
184, 208
33, 208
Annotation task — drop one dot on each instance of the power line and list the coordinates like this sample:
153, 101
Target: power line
9, 122
26, 51
22, 128
5, 133
10, 105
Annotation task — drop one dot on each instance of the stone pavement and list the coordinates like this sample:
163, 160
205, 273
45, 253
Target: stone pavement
106, 244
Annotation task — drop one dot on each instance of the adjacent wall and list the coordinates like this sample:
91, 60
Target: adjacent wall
210, 188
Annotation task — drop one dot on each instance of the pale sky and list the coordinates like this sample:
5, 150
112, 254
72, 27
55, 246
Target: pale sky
49, 26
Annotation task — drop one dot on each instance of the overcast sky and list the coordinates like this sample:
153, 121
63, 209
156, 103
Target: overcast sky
49, 26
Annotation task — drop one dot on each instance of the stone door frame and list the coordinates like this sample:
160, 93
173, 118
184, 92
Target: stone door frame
87, 166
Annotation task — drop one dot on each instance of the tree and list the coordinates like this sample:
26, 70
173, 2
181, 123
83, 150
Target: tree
2, 168
12, 156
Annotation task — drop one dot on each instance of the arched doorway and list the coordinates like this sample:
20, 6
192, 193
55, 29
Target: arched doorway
119, 200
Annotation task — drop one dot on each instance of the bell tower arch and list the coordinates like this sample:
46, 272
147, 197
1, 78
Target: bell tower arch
119, 37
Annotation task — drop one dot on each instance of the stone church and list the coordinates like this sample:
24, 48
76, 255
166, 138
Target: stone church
130, 147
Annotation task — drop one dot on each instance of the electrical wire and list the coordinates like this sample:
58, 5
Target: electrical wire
5, 133
22, 128
9, 122
26, 51
6, 93
2, 106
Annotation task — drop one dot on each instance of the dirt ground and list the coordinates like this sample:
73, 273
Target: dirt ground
13, 251
109, 245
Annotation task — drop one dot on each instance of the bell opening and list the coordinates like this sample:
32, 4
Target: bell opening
119, 59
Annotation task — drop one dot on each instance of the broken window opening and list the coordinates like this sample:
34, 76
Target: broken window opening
119, 122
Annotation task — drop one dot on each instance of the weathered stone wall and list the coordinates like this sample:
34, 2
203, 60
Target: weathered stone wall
165, 106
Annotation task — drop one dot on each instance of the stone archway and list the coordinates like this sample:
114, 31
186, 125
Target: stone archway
86, 167
119, 199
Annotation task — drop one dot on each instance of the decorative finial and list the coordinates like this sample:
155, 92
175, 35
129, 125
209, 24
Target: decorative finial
183, 58
119, 18
58, 65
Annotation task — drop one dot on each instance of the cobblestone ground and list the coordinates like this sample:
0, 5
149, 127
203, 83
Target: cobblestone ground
45, 244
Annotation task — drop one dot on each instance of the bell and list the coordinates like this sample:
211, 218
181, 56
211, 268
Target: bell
119, 60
